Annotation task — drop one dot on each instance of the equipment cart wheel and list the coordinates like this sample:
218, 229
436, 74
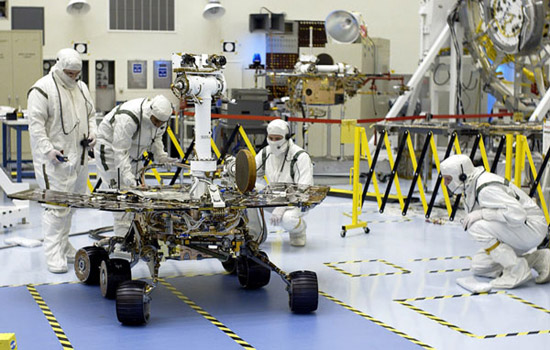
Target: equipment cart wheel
132, 303
343, 233
112, 272
366, 229
230, 265
86, 263
251, 274
303, 292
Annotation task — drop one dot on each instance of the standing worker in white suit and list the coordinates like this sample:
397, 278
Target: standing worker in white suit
285, 162
124, 134
62, 127
504, 219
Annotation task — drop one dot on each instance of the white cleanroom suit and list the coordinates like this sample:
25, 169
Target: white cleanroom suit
285, 162
124, 134
61, 124
504, 219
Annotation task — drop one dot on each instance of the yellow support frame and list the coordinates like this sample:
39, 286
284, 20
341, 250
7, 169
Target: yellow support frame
175, 142
361, 150
419, 179
457, 146
395, 179
438, 167
539, 188
154, 170
366, 151
247, 141
520, 158
357, 187
509, 150
483, 152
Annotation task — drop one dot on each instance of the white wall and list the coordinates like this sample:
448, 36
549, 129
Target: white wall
396, 20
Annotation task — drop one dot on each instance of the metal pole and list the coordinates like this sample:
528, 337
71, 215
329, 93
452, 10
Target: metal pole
542, 108
356, 174
420, 72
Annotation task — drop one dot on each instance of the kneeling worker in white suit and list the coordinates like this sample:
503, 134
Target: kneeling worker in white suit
504, 219
285, 162
124, 134
61, 127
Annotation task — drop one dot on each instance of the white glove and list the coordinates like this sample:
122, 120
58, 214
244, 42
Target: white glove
128, 180
52, 156
471, 218
91, 140
277, 216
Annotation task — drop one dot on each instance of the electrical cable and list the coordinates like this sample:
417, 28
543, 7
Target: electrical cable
436, 69
61, 109
451, 20
469, 86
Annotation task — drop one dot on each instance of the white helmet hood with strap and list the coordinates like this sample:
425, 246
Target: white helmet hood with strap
278, 127
459, 169
67, 59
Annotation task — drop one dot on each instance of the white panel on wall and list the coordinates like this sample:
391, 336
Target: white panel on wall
234, 74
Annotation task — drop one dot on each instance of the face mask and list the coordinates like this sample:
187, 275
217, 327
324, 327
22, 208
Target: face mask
451, 188
456, 186
278, 147
67, 81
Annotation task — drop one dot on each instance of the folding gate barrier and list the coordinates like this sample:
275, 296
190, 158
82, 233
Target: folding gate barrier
362, 151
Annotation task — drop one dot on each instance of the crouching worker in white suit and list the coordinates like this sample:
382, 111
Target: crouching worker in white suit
285, 162
124, 134
62, 127
504, 219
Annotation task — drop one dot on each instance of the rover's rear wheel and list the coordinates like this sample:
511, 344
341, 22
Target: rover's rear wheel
132, 303
251, 274
303, 292
112, 272
86, 263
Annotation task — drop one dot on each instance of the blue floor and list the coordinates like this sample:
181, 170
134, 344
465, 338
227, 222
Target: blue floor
393, 288
260, 317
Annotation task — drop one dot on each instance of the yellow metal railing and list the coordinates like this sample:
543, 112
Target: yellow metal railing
514, 160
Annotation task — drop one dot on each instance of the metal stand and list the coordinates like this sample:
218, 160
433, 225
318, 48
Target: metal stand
357, 190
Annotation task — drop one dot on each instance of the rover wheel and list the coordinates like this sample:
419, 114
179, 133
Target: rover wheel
112, 272
303, 292
230, 265
86, 263
132, 303
251, 274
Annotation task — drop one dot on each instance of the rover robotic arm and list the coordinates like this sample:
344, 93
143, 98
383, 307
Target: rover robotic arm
200, 78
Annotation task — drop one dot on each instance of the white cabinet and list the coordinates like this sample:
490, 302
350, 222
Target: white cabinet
20, 65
